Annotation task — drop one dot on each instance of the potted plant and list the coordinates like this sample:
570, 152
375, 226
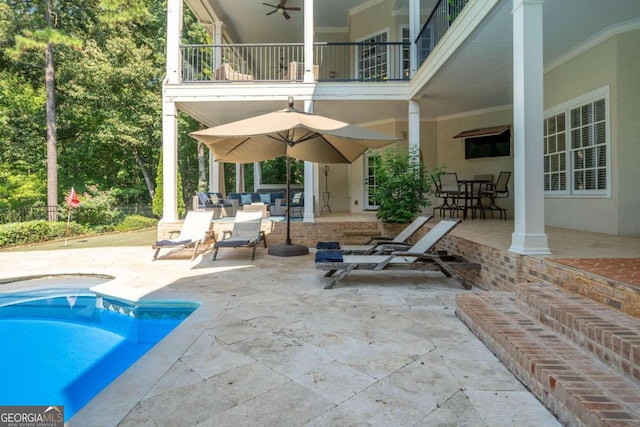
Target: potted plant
403, 186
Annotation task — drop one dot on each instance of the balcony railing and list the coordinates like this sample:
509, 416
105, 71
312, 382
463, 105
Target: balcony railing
366, 62
441, 18
363, 62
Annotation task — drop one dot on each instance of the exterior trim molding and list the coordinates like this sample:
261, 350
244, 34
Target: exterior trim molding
603, 35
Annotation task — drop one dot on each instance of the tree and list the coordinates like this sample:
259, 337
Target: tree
45, 38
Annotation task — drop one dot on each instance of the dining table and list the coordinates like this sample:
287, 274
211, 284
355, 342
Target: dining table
471, 196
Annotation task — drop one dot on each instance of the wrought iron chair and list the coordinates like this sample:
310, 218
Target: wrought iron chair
451, 192
490, 192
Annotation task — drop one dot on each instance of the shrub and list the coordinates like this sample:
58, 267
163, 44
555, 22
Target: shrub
136, 222
97, 208
24, 233
403, 187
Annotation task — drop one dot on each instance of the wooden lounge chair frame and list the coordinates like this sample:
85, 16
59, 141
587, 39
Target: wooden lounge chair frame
196, 230
419, 257
246, 233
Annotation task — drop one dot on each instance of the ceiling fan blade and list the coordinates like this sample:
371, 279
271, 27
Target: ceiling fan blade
272, 12
286, 15
270, 5
282, 3
291, 8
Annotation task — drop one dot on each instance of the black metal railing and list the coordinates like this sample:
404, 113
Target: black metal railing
363, 61
441, 18
285, 62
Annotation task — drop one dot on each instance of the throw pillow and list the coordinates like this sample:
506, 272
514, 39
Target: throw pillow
297, 198
214, 199
245, 199
265, 198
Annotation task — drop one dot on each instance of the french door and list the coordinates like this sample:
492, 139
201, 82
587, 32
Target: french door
370, 160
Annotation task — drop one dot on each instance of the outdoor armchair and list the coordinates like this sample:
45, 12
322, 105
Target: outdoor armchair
246, 233
195, 231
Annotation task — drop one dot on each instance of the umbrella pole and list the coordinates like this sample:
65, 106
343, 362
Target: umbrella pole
288, 249
288, 241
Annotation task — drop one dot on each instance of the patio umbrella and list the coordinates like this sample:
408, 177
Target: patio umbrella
292, 134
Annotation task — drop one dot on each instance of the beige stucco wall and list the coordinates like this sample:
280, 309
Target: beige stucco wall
587, 72
450, 151
628, 132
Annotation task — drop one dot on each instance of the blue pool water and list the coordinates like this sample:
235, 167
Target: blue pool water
62, 347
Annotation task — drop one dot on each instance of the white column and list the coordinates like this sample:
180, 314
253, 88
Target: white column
217, 40
239, 178
309, 178
169, 162
414, 30
214, 174
257, 176
528, 85
174, 30
414, 130
308, 41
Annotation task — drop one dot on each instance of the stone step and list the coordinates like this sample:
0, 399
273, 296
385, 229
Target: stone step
612, 336
578, 388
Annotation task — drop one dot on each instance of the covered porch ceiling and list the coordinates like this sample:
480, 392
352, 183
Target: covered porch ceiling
476, 76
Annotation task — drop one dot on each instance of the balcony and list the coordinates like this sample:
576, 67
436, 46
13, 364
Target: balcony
364, 62
370, 61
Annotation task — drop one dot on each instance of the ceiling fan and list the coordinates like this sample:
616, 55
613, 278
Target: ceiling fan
281, 9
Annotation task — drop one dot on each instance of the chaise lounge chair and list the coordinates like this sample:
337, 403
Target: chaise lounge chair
246, 233
418, 257
195, 231
381, 243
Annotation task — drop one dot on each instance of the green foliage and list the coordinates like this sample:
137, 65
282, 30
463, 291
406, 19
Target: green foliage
274, 171
403, 186
24, 233
136, 222
19, 190
158, 197
97, 208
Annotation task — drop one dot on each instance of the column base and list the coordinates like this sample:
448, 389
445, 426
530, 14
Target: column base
529, 244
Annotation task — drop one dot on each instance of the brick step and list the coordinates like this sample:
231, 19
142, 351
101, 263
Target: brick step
578, 388
612, 336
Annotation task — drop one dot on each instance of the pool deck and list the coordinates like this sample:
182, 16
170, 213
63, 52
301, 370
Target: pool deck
270, 347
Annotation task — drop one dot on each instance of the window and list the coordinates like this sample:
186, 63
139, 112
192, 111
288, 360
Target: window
406, 54
576, 153
372, 58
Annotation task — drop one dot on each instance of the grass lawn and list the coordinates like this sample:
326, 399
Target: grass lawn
132, 238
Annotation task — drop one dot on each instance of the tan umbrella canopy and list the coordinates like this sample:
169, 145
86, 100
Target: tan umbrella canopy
292, 134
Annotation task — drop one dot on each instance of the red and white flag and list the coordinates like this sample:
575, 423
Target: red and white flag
72, 199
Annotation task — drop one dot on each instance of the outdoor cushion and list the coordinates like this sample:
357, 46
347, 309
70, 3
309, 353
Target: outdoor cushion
245, 199
328, 256
327, 245
275, 196
172, 242
231, 243
265, 198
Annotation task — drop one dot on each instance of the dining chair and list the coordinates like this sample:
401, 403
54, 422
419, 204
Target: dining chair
451, 192
490, 192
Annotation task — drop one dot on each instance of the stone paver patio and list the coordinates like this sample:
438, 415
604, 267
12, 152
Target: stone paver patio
270, 347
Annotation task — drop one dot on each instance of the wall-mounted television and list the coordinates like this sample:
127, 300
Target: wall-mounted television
488, 146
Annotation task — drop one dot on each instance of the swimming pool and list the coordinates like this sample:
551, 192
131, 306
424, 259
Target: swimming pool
63, 346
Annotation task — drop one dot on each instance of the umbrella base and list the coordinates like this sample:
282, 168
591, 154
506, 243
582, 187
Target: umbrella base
288, 250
